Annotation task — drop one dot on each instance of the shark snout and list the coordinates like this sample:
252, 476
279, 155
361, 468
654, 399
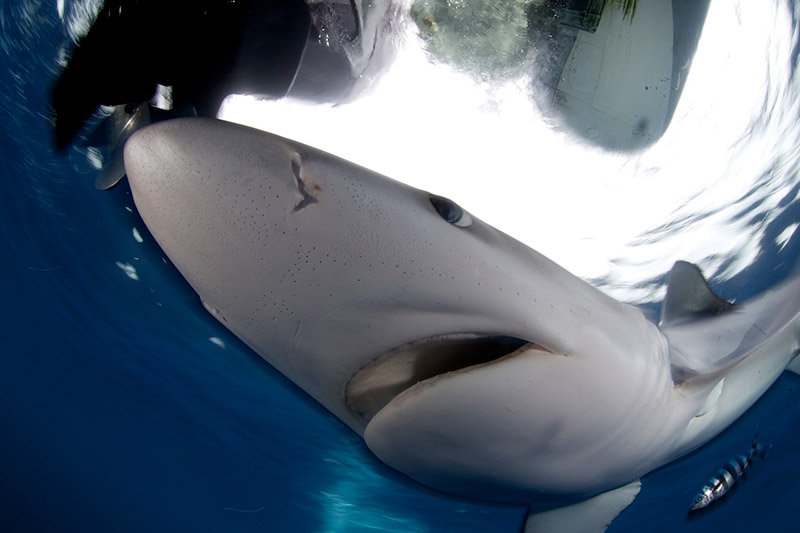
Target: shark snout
169, 169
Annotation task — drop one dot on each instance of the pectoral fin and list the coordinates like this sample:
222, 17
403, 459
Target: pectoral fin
589, 516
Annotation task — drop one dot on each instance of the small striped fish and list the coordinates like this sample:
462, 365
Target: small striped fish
727, 476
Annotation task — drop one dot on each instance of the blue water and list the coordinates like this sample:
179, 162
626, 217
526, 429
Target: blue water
119, 413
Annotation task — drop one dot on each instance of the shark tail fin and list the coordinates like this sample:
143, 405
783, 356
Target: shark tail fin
689, 295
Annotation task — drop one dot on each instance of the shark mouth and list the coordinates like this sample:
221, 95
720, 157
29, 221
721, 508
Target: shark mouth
380, 381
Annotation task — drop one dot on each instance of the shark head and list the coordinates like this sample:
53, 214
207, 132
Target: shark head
466, 360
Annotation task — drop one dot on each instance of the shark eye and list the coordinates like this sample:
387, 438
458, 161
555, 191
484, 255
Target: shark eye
451, 211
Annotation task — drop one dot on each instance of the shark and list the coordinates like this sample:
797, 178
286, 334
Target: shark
465, 359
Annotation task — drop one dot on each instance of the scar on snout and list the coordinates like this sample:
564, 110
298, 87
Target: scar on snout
308, 199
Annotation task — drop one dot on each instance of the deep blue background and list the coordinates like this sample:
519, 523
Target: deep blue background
117, 413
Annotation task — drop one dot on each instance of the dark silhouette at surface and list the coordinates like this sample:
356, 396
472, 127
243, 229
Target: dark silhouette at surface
203, 49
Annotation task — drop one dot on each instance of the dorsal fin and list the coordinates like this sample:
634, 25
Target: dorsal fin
689, 296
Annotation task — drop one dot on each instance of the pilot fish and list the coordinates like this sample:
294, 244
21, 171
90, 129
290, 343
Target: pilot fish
728, 475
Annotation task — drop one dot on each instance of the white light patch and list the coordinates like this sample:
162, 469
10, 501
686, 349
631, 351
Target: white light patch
347, 503
80, 16
219, 342
94, 157
621, 217
136, 236
782, 239
129, 270
162, 99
